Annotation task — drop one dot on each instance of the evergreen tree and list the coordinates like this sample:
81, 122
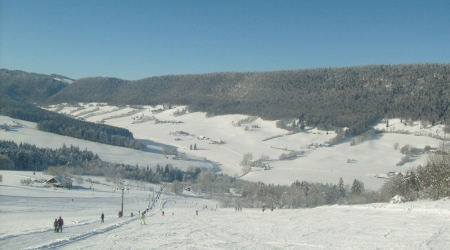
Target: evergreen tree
341, 188
357, 187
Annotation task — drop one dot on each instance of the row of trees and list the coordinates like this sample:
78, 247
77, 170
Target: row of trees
59, 124
73, 161
29, 157
429, 182
298, 195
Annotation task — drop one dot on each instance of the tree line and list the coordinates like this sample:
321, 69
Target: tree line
59, 124
73, 160
429, 182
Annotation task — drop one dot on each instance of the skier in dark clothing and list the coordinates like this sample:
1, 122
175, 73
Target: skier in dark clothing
103, 218
60, 224
55, 224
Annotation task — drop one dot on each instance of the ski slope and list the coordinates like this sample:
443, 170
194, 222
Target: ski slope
27, 214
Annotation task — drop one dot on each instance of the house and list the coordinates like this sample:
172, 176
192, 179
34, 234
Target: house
60, 181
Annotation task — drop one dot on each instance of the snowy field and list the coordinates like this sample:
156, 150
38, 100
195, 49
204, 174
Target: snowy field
27, 214
157, 127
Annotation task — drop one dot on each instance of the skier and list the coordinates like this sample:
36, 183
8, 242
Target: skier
263, 208
60, 224
196, 212
143, 219
271, 208
103, 218
162, 213
55, 224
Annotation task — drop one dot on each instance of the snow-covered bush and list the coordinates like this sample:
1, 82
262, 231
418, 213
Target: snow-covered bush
26, 182
403, 160
397, 199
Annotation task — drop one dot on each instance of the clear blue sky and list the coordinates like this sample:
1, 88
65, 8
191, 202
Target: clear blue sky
137, 39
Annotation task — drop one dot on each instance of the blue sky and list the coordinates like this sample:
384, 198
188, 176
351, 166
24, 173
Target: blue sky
137, 39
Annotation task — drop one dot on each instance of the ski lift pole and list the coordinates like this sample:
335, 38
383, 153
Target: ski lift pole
121, 210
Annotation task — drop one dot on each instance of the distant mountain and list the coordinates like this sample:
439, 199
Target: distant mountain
352, 97
31, 87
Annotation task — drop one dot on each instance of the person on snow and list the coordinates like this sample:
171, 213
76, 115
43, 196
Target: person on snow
196, 212
162, 213
60, 224
55, 224
271, 208
263, 208
143, 219
103, 218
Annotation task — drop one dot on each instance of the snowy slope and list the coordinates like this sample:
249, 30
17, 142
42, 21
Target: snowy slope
27, 214
371, 158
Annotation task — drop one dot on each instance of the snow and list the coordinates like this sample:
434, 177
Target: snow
373, 158
27, 214
64, 80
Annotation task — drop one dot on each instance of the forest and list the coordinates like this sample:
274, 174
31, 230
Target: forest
354, 97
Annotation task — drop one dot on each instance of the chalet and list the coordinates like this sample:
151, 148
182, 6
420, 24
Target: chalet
60, 181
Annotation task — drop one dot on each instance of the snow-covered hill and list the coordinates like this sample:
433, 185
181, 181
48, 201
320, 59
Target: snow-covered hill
369, 161
27, 214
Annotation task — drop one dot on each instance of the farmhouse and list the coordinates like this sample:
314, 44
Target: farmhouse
60, 181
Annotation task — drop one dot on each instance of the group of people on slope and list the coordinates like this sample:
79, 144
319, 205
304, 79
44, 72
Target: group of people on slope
271, 208
58, 224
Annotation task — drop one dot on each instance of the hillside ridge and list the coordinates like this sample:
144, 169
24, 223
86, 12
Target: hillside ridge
354, 97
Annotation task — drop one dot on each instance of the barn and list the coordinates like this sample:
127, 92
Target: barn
60, 181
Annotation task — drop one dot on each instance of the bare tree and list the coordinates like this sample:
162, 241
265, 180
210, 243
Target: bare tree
246, 169
176, 187
246, 159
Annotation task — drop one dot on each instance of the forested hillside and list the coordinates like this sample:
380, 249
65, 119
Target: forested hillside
344, 97
30, 87
352, 97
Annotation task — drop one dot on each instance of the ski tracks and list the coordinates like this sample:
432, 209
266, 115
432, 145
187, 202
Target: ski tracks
77, 237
